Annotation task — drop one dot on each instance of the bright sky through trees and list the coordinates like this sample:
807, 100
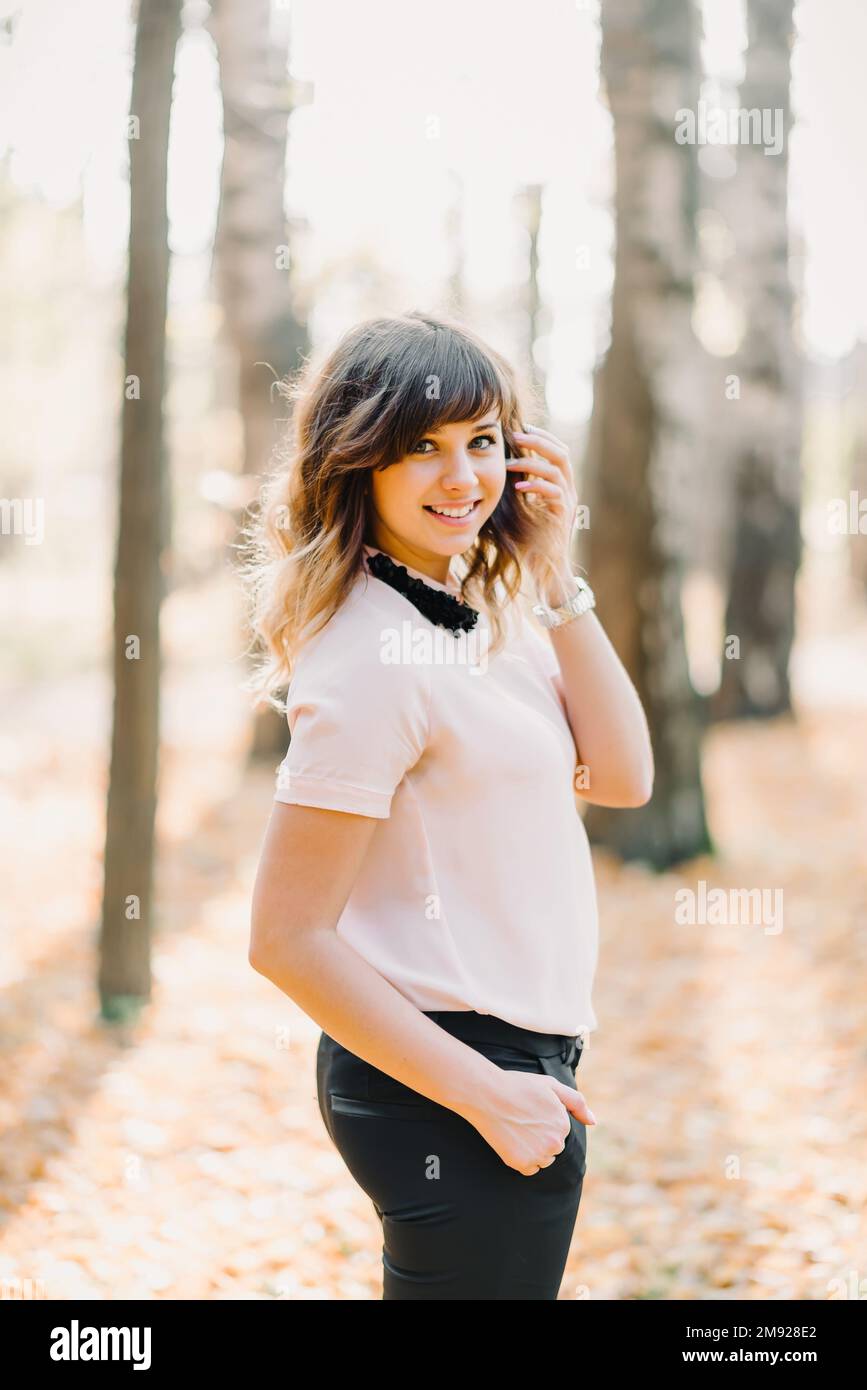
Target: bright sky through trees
503, 93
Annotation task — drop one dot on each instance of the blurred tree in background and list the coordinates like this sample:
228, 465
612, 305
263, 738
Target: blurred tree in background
529, 211
765, 549
639, 452
253, 258
143, 531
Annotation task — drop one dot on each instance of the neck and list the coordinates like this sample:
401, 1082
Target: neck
434, 566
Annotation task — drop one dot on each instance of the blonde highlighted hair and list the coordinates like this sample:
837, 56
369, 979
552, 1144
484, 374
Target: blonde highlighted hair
387, 382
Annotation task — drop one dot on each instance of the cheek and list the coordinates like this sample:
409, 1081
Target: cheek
398, 489
495, 476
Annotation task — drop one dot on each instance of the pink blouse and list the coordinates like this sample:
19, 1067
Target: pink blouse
477, 890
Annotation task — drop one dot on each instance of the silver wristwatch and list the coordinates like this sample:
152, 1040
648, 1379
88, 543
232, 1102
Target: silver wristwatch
582, 602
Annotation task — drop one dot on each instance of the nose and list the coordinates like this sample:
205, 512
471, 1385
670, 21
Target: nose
459, 472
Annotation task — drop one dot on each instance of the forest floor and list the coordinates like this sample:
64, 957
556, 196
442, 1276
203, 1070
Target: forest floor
184, 1156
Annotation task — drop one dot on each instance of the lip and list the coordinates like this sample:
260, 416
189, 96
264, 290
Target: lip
455, 522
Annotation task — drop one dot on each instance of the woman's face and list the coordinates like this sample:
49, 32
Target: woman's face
431, 504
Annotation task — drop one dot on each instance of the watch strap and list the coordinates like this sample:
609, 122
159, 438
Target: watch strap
579, 603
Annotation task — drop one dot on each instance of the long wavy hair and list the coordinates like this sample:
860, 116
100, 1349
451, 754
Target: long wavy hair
387, 382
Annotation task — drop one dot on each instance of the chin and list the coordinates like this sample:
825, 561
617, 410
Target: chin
451, 542
456, 545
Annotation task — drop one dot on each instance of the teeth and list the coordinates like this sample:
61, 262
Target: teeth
454, 511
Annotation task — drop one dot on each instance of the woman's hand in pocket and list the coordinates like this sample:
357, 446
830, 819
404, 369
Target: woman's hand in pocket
525, 1118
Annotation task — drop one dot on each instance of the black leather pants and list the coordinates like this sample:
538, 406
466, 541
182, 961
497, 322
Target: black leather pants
457, 1222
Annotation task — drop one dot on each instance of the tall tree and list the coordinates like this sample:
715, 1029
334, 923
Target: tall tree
530, 206
456, 290
143, 531
252, 253
855, 411
251, 247
639, 457
766, 548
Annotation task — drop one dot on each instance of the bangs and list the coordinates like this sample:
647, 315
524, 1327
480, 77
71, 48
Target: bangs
439, 379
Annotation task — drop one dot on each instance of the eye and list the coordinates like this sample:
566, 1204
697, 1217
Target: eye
490, 442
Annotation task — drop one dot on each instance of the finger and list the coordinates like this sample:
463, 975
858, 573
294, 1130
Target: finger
542, 446
535, 464
542, 487
555, 1156
539, 451
554, 453
546, 434
574, 1101
542, 440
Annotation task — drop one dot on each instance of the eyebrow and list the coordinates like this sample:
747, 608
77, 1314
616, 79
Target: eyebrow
476, 424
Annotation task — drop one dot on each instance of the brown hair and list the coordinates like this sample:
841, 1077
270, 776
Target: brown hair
387, 382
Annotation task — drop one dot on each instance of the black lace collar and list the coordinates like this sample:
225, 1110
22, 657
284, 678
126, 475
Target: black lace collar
439, 607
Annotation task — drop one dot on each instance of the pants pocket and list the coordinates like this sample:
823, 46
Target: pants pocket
384, 1108
575, 1151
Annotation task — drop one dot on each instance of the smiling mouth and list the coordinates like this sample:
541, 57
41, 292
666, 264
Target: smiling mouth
455, 514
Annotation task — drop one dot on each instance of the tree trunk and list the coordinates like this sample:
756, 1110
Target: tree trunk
251, 250
639, 450
856, 417
766, 545
530, 202
143, 534
456, 292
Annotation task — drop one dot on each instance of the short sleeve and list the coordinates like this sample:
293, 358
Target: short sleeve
357, 724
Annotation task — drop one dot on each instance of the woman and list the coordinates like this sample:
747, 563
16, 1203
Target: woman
425, 891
